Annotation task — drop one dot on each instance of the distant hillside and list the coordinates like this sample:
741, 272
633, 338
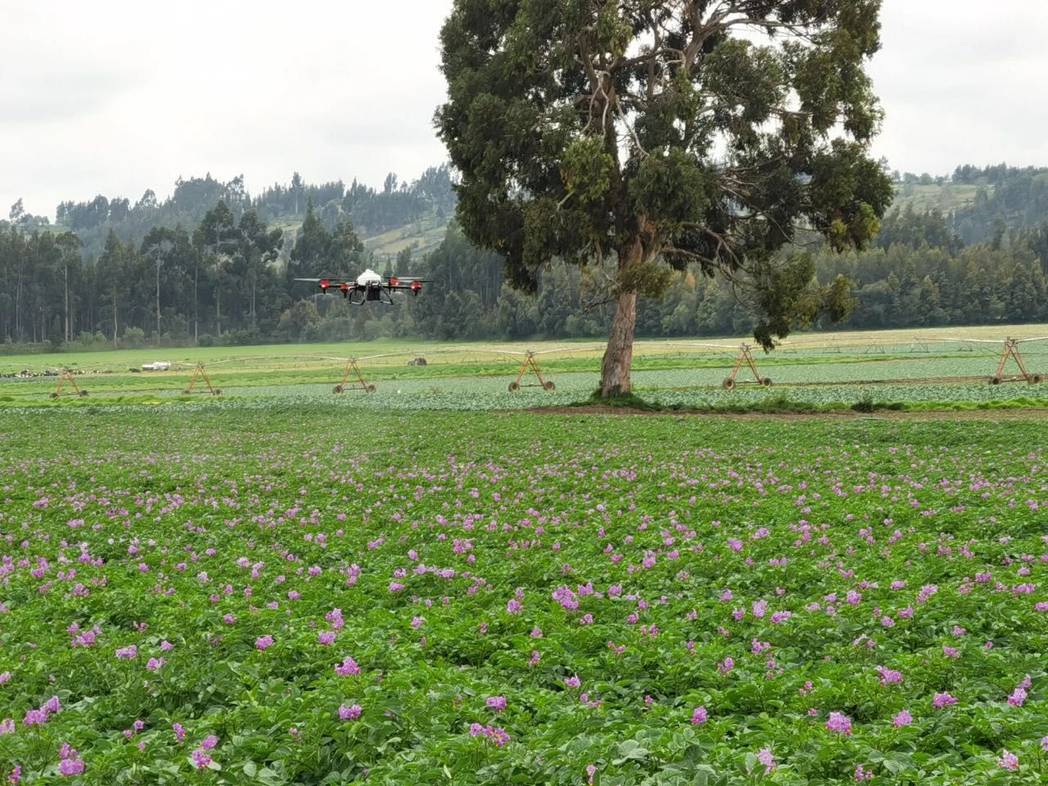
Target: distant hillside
422, 235
401, 215
979, 205
945, 197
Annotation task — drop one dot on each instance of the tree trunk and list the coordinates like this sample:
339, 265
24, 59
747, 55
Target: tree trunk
618, 357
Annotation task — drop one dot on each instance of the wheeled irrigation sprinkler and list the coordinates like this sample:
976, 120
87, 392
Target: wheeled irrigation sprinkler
67, 378
1011, 352
200, 376
351, 370
530, 364
745, 357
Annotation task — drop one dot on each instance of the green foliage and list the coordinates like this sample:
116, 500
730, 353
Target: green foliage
652, 132
467, 513
820, 375
587, 170
785, 293
848, 194
398, 204
671, 190
909, 281
975, 201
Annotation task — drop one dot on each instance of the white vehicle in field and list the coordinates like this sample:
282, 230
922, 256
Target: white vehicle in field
158, 365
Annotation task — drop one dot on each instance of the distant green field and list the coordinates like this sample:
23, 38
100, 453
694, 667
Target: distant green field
275, 593
422, 237
827, 371
935, 197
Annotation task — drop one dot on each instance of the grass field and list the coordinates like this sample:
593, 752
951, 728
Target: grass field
421, 236
262, 591
944, 198
920, 369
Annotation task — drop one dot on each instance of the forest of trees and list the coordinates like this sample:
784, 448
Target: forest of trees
398, 203
208, 265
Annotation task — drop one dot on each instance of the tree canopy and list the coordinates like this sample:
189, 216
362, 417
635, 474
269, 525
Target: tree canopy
662, 134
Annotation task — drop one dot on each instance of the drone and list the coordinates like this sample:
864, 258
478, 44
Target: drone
369, 287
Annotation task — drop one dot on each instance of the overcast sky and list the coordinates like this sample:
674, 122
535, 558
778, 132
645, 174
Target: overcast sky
117, 96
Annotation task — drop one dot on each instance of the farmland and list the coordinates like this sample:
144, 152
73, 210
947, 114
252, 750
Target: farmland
426, 584
907, 368
256, 591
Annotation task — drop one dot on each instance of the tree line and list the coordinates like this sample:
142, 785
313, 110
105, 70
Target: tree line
397, 203
227, 276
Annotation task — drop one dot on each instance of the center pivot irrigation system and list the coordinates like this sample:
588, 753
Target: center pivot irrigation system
1011, 352
744, 358
530, 364
66, 377
200, 376
352, 376
353, 369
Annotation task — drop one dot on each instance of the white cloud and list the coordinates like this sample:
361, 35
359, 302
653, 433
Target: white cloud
118, 96
961, 82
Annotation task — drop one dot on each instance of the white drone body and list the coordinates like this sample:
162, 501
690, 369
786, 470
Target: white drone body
369, 276
369, 287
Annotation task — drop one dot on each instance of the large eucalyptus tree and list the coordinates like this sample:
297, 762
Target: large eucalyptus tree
658, 134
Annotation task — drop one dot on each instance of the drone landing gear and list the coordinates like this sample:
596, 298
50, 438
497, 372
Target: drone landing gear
200, 375
530, 363
360, 384
745, 356
66, 377
1011, 350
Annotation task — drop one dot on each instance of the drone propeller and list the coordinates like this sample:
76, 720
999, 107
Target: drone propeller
405, 284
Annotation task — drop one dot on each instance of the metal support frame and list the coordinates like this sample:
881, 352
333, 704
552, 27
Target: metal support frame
353, 369
66, 377
745, 356
1011, 350
530, 363
200, 375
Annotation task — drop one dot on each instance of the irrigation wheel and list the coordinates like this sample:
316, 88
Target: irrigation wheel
338, 389
83, 393
728, 384
995, 380
549, 385
1034, 379
766, 382
370, 388
513, 387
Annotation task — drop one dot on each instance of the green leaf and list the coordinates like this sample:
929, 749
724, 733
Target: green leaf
631, 750
750, 762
